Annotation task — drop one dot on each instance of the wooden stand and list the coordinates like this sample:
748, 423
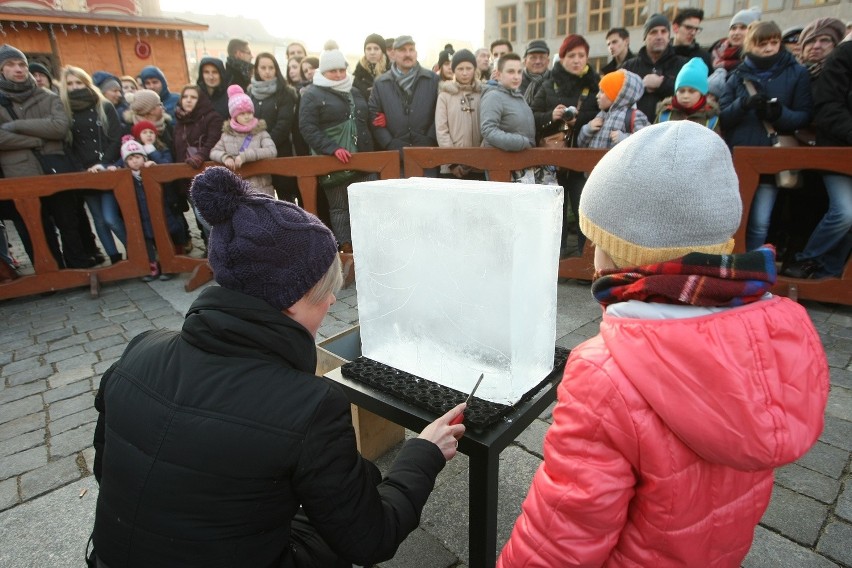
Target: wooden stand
374, 434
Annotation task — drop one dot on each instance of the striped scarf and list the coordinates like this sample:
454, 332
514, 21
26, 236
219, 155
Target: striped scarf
406, 81
697, 279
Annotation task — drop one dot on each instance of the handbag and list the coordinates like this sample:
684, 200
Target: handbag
786, 179
345, 135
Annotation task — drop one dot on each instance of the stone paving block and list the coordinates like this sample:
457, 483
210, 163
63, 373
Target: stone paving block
112, 352
77, 339
5, 357
840, 403
532, 438
837, 432
48, 477
127, 317
20, 365
68, 376
67, 391
22, 407
11, 344
547, 413
126, 307
22, 442
135, 327
825, 459
9, 394
72, 441
21, 462
770, 550
64, 353
106, 330
89, 458
571, 340
45, 327
30, 351
9, 493
91, 323
808, 482
836, 542
421, 550
836, 359
69, 406
105, 342
22, 425
172, 322
843, 508
35, 373
158, 312
54, 335
74, 420
100, 369
82, 360
795, 516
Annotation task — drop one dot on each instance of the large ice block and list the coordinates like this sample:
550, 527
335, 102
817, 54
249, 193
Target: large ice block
457, 278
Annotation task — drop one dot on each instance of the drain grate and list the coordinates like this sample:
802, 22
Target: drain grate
433, 397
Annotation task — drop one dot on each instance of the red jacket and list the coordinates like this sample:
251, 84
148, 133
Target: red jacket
665, 436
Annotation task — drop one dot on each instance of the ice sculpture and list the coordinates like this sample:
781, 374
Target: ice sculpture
457, 278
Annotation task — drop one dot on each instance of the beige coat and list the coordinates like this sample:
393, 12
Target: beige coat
456, 127
261, 147
42, 125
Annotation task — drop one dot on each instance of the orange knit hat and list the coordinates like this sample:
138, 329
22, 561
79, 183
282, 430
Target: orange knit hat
611, 84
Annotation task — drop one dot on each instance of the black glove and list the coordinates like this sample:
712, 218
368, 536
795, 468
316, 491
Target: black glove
755, 101
770, 112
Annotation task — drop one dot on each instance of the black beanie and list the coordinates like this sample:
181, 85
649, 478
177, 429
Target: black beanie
36, 67
378, 40
463, 55
654, 21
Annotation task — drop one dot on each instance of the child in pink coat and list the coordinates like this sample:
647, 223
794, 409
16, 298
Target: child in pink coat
670, 421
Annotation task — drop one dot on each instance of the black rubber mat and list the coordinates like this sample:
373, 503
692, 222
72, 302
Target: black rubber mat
434, 397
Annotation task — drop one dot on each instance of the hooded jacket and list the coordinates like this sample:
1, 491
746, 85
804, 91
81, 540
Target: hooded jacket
665, 435
219, 97
169, 99
457, 124
210, 439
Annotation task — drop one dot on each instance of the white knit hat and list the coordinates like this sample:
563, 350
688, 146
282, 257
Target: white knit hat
129, 147
666, 191
331, 58
745, 17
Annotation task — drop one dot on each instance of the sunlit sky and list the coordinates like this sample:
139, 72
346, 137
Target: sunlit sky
431, 24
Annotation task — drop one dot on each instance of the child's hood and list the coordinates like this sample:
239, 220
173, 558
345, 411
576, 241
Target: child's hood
631, 90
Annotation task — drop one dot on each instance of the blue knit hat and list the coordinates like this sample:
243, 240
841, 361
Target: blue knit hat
260, 246
693, 74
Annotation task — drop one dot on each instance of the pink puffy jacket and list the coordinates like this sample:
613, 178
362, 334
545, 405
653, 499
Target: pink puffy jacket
665, 436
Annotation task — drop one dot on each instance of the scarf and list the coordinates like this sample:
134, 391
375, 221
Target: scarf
244, 67
82, 99
727, 56
689, 110
406, 81
814, 69
243, 129
697, 279
375, 69
160, 124
763, 67
262, 90
343, 86
18, 92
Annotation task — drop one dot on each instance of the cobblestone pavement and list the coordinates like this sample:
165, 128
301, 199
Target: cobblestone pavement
53, 350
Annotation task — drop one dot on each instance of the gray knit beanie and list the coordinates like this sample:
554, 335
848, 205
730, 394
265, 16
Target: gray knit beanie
331, 58
666, 191
260, 246
745, 17
10, 52
656, 20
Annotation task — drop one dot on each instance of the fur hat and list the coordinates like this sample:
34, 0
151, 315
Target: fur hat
611, 84
143, 101
693, 74
10, 52
640, 215
745, 17
238, 101
572, 42
260, 246
331, 58
142, 125
129, 147
655, 21
831, 27
461, 56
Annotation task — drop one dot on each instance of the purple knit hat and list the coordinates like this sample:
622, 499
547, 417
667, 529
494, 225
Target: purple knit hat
269, 249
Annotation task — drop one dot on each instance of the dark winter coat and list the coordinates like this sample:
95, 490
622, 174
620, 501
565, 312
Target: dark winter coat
363, 80
568, 89
279, 112
41, 124
209, 440
833, 98
613, 64
322, 108
788, 81
410, 120
219, 97
200, 128
95, 143
668, 65
694, 50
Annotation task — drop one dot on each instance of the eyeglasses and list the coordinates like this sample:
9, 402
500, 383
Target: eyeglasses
694, 29
465, 104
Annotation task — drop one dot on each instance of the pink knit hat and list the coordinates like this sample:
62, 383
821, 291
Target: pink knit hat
238, 101
129, 147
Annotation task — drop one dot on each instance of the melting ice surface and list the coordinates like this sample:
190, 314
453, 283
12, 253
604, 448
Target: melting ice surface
458, 278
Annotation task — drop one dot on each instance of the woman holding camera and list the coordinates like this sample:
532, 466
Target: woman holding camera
572, 85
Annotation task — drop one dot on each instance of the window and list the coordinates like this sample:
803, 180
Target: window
535, 19
566, 17
670, 7
717, 8
772, 5
599, 15
807, 3
508, 30
597, 62
634, 13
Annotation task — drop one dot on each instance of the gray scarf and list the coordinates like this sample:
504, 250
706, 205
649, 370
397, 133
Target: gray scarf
262, 90
18, 92
406, 81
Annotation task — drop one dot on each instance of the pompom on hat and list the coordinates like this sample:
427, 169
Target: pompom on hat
260, 246
331, 58
238, 101
129, 147
693, 74
643, 216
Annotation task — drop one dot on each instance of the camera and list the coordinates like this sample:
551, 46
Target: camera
569, 113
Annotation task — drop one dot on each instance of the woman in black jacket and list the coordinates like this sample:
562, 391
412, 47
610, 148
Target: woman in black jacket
374, 63
95, 144
218, 446
331, 102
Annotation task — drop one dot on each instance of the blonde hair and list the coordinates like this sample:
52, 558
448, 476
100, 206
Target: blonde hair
759, 32
330, 283
87, 81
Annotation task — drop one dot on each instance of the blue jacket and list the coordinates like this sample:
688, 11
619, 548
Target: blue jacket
787, 81
169, 99
410, 121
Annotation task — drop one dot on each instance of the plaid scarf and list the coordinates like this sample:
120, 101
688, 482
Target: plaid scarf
697, 279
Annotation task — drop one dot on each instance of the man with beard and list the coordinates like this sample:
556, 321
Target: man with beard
238, 63
685, 27
657, 64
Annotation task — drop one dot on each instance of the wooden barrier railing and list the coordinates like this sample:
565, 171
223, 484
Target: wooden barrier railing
749, 163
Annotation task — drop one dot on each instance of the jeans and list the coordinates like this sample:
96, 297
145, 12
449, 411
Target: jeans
835, 224
107, 218
760, 215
